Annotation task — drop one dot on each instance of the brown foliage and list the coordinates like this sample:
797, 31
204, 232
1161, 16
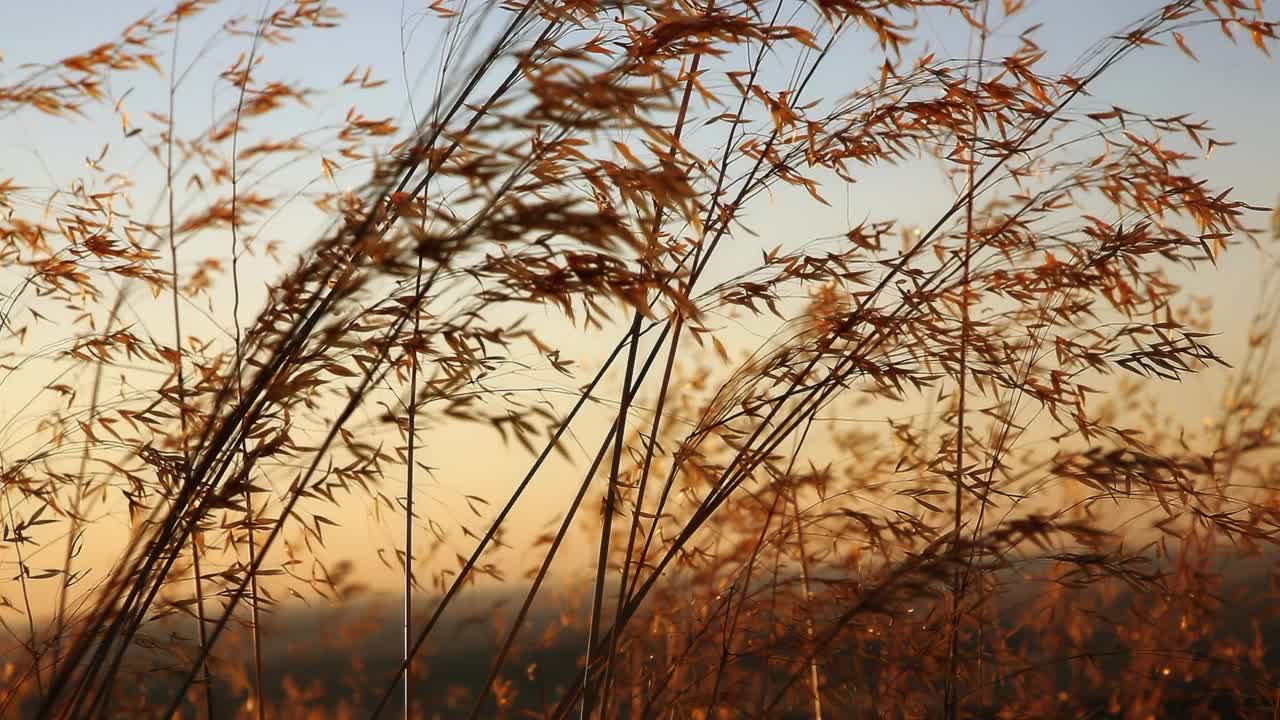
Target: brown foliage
1029, 526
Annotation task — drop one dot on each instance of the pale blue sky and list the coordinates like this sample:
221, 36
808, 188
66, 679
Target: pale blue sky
1236, 89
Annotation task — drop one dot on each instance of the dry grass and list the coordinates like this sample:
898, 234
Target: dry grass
1033, 532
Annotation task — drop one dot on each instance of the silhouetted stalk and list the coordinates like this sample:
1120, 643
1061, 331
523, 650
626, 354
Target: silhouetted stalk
408, 505
549, 558
659, 212
413, 395
698, 265
259, 701
606, 529
545, 566
204, 638
493, 527
128, 568
957, 587
178, 364
640, 378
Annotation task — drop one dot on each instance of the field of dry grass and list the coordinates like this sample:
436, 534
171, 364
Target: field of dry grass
669, 359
